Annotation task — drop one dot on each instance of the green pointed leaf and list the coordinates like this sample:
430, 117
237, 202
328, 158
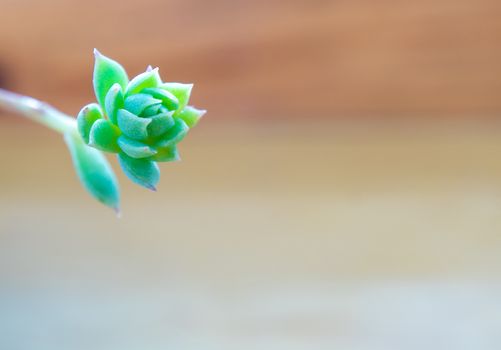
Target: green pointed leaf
104, 135
181, 91
191, 115
168, 99
174, 134
160, 123
132, 125
134, 148
152, 110
107, 72
166, 154
113, 102
148, 79
94, 171
86, 118
136, 104
143, 172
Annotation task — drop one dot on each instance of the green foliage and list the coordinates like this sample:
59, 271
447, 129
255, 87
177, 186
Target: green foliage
142, 171
143, 121
167, 99
134, 148
86, 118
191, 115
93, 171
104, 135
181, 91
113, 102
148, 79
107, 73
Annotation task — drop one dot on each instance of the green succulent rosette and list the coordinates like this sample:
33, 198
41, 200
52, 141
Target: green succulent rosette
142, 120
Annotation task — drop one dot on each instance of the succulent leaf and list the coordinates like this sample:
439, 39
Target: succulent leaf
160, 123
86, 118
104, 135
132, 125
107, 72
151, 111
114, 101
94, 171
191, 115
166, 154
143, 172
134, 148
168, 99
148, 79
181, 91
137, 103
174, 134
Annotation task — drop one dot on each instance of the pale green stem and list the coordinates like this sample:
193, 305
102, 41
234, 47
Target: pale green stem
38, 111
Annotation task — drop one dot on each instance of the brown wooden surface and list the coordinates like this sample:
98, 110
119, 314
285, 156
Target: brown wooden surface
268, 59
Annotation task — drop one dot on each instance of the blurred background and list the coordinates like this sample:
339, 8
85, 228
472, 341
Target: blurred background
343, 191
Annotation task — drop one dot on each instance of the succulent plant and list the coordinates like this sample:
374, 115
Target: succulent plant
141, 120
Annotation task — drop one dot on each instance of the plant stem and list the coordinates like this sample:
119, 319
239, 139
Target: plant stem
38, 111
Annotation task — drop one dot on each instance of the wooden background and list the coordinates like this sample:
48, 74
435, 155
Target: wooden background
269, 59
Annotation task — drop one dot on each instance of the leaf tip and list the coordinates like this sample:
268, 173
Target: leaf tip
117, 211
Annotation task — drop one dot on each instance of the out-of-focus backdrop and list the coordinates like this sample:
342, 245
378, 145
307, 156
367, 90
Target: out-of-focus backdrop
343, 191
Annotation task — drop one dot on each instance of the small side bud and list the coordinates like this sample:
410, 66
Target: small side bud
94, 171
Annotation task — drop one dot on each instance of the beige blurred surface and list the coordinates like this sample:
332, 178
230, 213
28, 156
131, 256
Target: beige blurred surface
279, 237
